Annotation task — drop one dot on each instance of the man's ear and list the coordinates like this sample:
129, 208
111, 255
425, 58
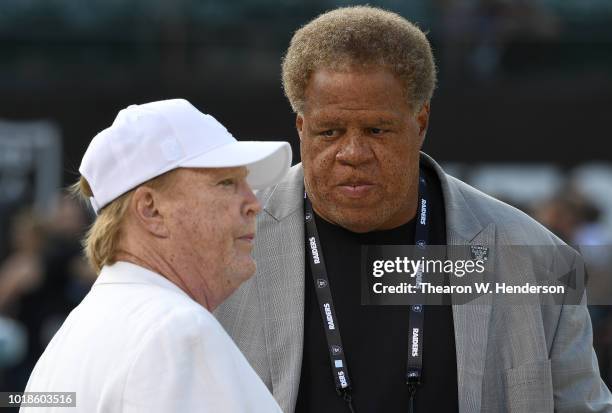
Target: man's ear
299, 124
145, 207
423, 121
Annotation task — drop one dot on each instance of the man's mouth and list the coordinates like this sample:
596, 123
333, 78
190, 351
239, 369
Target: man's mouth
247, 237
356, 189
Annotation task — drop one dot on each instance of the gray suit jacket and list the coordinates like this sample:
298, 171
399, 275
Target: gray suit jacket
521, 358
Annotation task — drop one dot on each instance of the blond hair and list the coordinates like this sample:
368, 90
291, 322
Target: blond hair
360, 36
101, 242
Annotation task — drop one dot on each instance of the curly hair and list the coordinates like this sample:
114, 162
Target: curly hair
360, 37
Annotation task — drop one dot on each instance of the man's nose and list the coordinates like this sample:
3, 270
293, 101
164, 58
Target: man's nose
251, 204
354, 149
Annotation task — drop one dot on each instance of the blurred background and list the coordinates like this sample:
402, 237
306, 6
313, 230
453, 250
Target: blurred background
522, 112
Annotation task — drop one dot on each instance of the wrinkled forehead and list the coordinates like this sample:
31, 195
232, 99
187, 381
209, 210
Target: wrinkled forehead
373, 95
350, 67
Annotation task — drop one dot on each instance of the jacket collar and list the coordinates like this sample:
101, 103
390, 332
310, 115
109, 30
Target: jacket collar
287, 196
460, 220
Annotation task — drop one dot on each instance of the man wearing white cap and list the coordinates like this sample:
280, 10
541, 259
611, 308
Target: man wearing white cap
172, 239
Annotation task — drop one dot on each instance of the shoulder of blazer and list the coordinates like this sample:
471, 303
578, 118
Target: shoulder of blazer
468, 210
283, 199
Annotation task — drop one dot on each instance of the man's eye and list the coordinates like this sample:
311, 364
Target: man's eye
227, 182
328, 133
376, 131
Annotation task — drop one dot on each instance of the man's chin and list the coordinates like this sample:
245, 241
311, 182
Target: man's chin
360, 227
359, 223
245, 268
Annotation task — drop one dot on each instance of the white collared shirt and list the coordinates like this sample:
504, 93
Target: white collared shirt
138, 343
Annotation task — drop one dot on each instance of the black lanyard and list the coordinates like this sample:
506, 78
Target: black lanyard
331, 326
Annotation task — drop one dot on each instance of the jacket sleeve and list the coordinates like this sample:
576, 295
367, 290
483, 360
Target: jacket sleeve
577, 384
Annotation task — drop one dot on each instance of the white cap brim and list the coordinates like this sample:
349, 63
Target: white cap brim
267, 162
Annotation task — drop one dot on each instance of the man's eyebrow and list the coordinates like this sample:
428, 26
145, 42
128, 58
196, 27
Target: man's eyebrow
325, 123
382, 121
335, 122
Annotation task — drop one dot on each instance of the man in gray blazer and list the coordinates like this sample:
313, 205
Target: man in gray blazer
360, 80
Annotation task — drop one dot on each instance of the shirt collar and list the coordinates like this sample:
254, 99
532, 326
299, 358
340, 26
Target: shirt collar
123, 272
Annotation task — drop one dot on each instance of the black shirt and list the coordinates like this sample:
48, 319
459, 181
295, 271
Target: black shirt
375, 338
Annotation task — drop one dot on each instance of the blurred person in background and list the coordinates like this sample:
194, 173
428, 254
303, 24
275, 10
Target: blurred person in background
172, 239
573, 217
562, 214
65, 262
22, 274
43, 279
22, 271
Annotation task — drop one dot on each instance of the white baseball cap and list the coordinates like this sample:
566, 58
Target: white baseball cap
148, 140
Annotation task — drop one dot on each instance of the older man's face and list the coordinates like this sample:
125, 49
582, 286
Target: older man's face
360, 143
211, 215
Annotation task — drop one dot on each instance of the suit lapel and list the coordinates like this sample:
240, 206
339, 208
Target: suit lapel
471, 321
